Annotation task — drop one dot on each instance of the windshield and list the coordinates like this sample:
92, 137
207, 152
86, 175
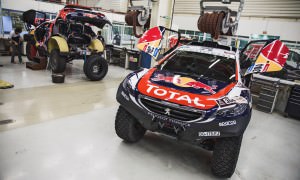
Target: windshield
201, 65
293, 60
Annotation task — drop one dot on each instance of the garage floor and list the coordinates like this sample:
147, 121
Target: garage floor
66, 131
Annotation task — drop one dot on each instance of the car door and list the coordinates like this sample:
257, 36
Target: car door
263, 56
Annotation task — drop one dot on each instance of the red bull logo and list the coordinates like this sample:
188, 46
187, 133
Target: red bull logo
200, 85
184, 82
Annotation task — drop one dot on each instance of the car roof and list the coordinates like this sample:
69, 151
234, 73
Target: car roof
77, 7
208, 50
213, 45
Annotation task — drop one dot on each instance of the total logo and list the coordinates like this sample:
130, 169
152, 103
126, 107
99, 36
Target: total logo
173, 95
184, 82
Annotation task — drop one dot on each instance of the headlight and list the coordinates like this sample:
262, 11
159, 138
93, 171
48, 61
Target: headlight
236, 110
127, 86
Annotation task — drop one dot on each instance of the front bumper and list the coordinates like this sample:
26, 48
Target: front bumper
194, 132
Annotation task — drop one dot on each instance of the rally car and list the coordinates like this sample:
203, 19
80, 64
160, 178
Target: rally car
69, 36
195, 94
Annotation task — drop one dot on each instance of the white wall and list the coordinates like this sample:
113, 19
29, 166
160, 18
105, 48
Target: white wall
113, 17
24, 5
287, 29
90, 3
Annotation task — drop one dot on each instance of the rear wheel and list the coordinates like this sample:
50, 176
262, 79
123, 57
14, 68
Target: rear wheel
127, 127
225, 156
57, 62
95, 68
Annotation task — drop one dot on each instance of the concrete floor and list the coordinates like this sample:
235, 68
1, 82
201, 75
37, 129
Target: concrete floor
66, 131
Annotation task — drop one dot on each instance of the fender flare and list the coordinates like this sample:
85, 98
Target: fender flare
57, 42
96, 45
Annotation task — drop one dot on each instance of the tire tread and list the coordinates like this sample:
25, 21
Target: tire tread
124, 126
225, 156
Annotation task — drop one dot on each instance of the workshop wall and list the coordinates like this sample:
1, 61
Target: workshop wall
21, 5
287, 29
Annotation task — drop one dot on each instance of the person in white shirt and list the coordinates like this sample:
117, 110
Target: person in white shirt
16, 41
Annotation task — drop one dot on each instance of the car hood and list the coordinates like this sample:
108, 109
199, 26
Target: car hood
184, 90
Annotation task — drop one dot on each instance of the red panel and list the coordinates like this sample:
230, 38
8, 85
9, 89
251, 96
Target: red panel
152, 34
277, 52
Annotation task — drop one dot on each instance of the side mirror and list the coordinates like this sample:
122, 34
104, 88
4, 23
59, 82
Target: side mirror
271, 58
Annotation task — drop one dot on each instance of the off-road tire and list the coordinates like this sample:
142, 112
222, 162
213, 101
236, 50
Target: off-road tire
58, 78
91, 63
225, 156
127, 127
57, 62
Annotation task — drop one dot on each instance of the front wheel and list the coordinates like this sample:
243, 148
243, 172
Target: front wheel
225, 156
95, 68
57, 62
127, 127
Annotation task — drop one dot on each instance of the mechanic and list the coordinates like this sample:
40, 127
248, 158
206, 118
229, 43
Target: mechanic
100, 37
16, 44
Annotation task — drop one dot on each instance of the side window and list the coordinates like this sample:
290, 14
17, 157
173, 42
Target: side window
293, 60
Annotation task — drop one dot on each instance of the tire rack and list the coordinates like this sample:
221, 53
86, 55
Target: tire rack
264, 95
120, 56
271, 94
293, 105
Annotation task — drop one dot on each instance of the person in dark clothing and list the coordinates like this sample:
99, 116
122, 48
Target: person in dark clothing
100, 37
16, 41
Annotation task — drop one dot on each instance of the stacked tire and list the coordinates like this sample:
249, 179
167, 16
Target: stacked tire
212, 23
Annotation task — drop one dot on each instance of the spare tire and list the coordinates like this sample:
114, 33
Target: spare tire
58, 78
95, 67
57, 62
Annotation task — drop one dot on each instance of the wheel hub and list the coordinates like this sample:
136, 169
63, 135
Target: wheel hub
95, 69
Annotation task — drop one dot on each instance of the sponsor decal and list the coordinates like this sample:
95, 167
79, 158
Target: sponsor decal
209, 133
256, 68
240, 100
227, 123
173, 95
271, 58
226, 101
125, 96
153, 51
166, 119
184, 82
150, 42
